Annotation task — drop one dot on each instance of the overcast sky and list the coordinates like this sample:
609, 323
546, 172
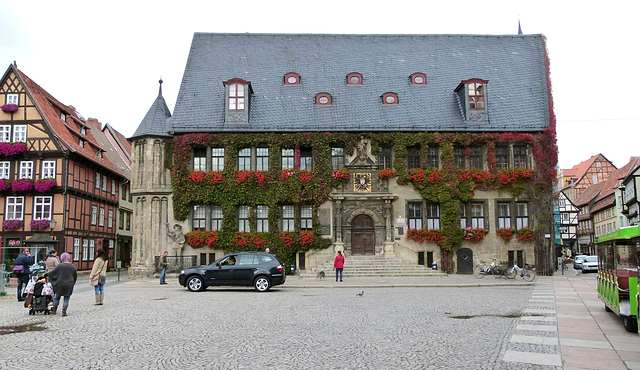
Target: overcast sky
105, 58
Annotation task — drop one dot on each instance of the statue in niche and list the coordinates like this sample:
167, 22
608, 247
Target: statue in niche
362, 149
178, 237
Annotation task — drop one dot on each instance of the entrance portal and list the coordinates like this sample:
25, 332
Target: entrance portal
363, 237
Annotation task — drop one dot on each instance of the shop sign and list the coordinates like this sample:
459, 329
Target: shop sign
14, 242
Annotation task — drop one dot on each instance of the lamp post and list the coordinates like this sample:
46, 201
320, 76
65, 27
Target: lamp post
53, 223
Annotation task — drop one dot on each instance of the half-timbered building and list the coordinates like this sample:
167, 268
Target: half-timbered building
411, 148
59, 187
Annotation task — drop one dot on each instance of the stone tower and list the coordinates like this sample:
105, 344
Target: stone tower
151, 189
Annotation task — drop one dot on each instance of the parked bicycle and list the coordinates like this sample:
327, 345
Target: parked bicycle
525, 273
493, 269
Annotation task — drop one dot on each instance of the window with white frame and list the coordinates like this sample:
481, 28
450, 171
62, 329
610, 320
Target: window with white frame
76, 249
306, 217
243, 218
48, 170
15, 208
200, 159
85, 249
5, 133
337, 158
262, 159
26, 170
477, 215
92, 249
104, 182
113, 187
244, 159
20, 133
81, 143
288, 159
504, 215
5, 169
98, 177
42, 208
415, 215
83, 130
12, 99
288, 218
110, 219
217, 159
199, 217
216, 218
101, 219
306, 159
236, 96
262, 219
112, 244
433, 216
522, 215
94, 215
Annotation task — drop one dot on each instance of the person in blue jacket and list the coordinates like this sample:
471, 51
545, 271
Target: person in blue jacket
25, 260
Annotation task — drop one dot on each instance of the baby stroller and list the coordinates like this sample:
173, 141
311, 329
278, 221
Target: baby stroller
40, 295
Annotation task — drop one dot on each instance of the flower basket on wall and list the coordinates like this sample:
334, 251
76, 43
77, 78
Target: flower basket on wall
9, 108
22, 185
40, 225
525, 234
11, 149
5, 185
45, 185
386, 173
473, 235
506, 233
201, 238
10, 225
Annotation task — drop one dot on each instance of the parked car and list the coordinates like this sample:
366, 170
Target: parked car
258, 269
577, 261
590, 263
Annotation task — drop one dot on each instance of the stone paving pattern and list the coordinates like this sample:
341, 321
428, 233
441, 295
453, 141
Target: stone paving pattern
440, 322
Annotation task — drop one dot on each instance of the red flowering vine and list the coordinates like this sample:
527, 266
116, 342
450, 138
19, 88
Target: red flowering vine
306, 238
511, 176
262, 177
287, 238
525, 234
386, 173
242, 176
306, 176
426, 236
285, 174
340, 174
201, 238
249, 240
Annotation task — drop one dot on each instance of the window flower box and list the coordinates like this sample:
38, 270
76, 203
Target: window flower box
40, 225
506, 233
340, 175
45, 185
386, 173
22, 185
9, 108
5, 185
525, 234
11, 149
473, 235
201, 238
10, 225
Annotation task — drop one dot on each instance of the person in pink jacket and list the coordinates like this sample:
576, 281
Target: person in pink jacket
338, 264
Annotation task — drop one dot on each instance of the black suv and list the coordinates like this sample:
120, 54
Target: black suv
258, 269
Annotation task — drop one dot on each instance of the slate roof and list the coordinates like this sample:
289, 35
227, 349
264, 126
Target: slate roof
156, 120
514, 65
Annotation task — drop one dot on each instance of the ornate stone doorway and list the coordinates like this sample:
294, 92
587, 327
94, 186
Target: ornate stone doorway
363, 236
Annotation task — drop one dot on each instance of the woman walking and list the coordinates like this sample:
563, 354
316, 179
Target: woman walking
63, 278
51, 261
98, 276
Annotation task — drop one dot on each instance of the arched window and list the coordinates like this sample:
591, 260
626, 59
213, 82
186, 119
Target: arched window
389, 98
418, 79
354, 78
291, 79
237, 93
323, 99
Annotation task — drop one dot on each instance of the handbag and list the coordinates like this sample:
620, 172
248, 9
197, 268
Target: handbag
102, 279
18, 269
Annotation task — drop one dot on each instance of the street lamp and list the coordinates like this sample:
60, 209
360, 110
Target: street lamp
52, 224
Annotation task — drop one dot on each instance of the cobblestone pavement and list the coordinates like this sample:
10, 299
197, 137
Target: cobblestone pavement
434, 323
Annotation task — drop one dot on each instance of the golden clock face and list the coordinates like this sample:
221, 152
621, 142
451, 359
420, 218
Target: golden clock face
362, 182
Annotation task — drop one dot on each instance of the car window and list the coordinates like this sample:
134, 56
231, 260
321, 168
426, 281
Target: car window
591, 259
228, 261
247, 259
266, 259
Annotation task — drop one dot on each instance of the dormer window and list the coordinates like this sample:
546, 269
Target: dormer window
63, 117
389, 98
83, 130
237, 94
354, 78
292, 79
99, 154
81, 143
418, 79
323, 99
476, 95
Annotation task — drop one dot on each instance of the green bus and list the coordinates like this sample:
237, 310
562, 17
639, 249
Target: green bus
618, 267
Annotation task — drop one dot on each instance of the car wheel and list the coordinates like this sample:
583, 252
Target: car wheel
606, 308
195, 284
262, 284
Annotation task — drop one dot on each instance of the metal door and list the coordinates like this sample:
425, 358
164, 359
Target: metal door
465, 261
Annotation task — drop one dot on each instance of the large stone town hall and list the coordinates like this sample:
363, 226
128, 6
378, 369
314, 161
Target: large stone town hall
414, 147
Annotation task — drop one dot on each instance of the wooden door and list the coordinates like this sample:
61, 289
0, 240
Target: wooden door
363, 237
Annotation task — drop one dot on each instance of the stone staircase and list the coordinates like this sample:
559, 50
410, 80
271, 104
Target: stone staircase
375, 266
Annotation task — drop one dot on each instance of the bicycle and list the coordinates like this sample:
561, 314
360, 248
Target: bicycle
525, 273
481, 270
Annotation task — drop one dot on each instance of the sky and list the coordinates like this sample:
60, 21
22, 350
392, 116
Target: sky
105, 58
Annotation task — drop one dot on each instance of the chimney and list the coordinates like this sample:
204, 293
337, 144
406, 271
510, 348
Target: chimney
94, 122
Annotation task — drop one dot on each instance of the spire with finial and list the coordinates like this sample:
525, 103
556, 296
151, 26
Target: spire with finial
160, 89
519, 28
